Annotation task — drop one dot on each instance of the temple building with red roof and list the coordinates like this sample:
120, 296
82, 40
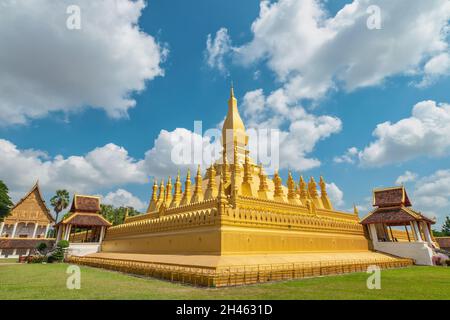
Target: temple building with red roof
27, 225
393, 209
84, 227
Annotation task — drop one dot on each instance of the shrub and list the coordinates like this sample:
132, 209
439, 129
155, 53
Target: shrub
42, 248
448, 262
58, 254
63, 244
37, 259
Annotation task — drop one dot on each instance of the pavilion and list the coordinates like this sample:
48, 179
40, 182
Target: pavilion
393, 210
84, 227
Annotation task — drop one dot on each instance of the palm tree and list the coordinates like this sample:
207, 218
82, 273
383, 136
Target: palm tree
60, 201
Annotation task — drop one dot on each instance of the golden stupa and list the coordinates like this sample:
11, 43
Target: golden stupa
236, 225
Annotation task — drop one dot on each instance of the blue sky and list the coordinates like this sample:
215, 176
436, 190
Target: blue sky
189, 88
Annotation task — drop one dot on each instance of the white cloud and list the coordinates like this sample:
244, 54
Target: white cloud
300, 131
349, 156
425, 133
45, 67
217, 49
335, 194
312, 52
435, 68
175, 150
431, 194
123, 198
303, 135
102, 168
408, 176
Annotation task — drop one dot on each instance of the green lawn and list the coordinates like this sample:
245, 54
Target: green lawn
8, 260
37, 281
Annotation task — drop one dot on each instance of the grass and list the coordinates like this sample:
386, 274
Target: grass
8, 260
38, 281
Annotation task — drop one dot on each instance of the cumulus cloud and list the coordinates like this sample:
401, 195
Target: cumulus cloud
180, 149
425, 133
431, 194
49, 68
349, 156
104, 167
123, 198
335, 194
408, 176
299, 130
312, 52
217, 49
437, 67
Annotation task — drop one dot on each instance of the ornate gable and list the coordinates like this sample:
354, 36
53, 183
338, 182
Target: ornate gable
31, 208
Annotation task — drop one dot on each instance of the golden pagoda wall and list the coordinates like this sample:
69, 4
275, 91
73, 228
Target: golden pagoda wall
254, 226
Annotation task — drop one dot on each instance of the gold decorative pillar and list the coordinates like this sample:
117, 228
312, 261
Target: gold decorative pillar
211, 189
187, 190
198, 192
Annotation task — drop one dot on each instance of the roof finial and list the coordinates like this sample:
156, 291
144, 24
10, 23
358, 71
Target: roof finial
232, 90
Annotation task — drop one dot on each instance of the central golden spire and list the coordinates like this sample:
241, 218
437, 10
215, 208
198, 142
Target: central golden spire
233, 131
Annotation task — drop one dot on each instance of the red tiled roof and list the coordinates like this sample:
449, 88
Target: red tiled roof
391, 197
394, 216
86, 219
85, 204
6, 243
389, 216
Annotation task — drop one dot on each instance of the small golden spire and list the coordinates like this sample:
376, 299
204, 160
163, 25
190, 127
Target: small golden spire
198, 193
247, 168
291, 187
187, 190
323, 187
232, 90
168, 199
355, 210
278, 190
312, 186
177, 194
161, 194
302, 190
263, 186
211, 189
263, 191
155, 191
221, 194
225, 169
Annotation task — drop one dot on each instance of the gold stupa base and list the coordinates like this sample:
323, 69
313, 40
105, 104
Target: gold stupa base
232, 270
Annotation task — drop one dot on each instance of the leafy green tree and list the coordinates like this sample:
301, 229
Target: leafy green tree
5, 201
117, 215
60, 201
446, 227
437, 233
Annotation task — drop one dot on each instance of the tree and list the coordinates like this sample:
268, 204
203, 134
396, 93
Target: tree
116, 215
446, 227
5, 201
60, 201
